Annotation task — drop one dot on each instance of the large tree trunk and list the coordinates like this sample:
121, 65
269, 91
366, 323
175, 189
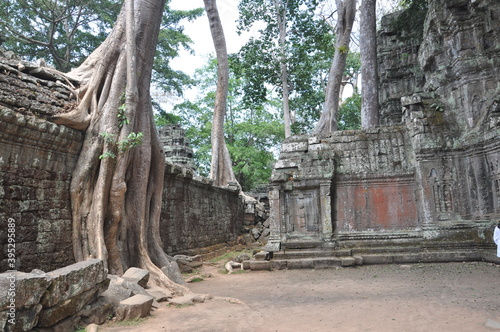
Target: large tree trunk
221, 169
346, 11
281, 18
116, 189
369, 65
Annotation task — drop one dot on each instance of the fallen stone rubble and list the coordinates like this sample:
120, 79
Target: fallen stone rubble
81, 294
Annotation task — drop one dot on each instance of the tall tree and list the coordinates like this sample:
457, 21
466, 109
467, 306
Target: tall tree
221, 170
346, 11
292, 53
280, 8
369, 64
116, 188
252, 131
64, 33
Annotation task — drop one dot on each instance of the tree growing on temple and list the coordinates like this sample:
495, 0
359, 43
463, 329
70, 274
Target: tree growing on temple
346, 11
221, 168
369, 64
117, 185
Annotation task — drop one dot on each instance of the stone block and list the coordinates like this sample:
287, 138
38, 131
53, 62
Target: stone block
188, 299
135, 307
49, 316
172, 271
136, 275
377, 259
72, 280
26, 318
29, 288
160, 294
260, 265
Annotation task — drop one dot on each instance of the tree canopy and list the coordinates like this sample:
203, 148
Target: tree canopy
64, 33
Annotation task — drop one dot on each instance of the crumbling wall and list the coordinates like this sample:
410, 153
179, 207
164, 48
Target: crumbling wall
195, 214
37, 158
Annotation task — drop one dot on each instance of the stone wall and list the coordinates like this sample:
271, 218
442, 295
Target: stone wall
399, 70
36, 161
37, 158
196, 214
49, 301
433, 181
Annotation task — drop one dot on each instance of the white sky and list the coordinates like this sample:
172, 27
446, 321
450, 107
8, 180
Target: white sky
199, 31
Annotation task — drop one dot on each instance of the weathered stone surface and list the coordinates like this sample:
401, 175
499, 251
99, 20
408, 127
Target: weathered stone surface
176, 146
49, 316
137, 306
188, 299
160, 294
26, 318
28, 287
136, 275
172, 271
72, 280
191, 209
98, 311
92, 328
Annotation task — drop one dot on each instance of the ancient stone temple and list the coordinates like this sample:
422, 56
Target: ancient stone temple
425, 184
176, 146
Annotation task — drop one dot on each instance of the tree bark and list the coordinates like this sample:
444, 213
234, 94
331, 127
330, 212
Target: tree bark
281, 19
346, 11
369, 65
221, 169
116, 189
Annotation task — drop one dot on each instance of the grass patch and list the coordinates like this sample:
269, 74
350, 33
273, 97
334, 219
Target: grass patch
197, 279
180, 306
130, 322
230, 255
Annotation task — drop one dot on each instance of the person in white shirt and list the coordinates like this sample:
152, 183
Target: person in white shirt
496, 238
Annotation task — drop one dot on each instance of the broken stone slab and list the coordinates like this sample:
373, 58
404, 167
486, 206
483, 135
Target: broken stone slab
25, 319
97, 312
116, 292
136, 275
160, 294
72, 280
92, 328
69, 324
492, 324
68, 307
188, 299
173, 273
135, 307
29, 288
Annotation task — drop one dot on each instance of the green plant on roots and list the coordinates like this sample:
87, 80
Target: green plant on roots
133, 140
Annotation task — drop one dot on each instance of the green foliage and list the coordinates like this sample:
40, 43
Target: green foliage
252, 131
114, 147
64, 33
350, 113
308, 52
132, 140
122, 117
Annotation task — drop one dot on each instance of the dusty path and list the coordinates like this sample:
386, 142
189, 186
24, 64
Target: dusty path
420, 297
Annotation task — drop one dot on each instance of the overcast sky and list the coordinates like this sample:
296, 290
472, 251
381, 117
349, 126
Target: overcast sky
199, 31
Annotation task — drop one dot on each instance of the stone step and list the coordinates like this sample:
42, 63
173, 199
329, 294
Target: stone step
362, 257
304, 263
294, 253
301, 244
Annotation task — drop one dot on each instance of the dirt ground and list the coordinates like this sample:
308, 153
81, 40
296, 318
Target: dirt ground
419, 297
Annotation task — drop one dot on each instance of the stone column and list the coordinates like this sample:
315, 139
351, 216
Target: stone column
325, 200
274, 242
